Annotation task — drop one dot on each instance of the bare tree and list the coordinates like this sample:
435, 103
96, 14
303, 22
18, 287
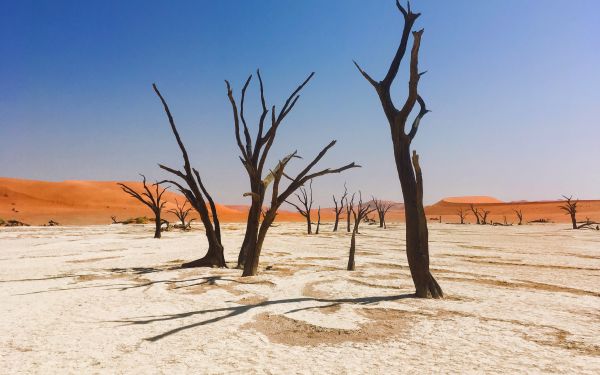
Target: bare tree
254, 155
462, 214
306, 200
483, 215
339, 208
382, 208
570, 207
197, 194
359, 213
476, 212
417, 244
318, 220
519, 213
181, 212
151, 199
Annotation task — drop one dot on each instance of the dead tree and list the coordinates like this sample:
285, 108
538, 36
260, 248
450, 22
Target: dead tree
360, 212
519, 213
197, 194
339, 208
382, 208
570, 207
306, 200
181, 212
484, 214
476, 212
254, 154
462, 214
417, 244
318, 220
349, 207
151, 199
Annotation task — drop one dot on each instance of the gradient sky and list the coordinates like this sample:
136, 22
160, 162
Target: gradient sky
514, 86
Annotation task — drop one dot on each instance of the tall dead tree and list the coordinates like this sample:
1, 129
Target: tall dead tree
151, 199
519, 213
360, 212
570, 207
339, 208
462, 214
417, 244
476, 212
197, 194
254, 154
306, 200
382, 208
182, 212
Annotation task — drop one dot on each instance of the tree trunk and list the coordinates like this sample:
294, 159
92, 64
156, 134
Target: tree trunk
252, 226
255, 247
348, 221
158, 223
337, 220
381, 219
308, 223
352, 252
417, 245
573, 220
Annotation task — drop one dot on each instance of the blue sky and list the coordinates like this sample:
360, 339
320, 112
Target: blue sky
514, 86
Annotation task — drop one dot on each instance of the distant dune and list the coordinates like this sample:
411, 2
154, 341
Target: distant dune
88, 202
94, 202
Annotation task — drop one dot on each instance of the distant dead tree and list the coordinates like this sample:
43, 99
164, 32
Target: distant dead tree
318, 220
519, 213
339, 208
254, 155
349, 208
197, 194
475, 212
382, 208
151, 199
359, 213
484, 215
462, 214
181, 212
306, 200
570, 207
417, 243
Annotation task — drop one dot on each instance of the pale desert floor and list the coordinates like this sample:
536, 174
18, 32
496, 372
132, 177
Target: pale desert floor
107, 299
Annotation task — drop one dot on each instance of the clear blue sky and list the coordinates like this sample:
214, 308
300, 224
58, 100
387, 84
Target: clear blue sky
514, 86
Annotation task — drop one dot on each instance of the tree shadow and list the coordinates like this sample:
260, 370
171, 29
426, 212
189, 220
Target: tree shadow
238, 310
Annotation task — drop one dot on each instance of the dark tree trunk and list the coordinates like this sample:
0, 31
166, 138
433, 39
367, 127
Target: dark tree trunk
157, 226
318, 220
308, 223
348, 221
337, 220
352, 252
573, 220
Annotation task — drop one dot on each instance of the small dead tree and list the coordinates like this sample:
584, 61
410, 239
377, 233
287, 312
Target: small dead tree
197, 194
360, 212
306, 200
318, 220
476, 212
151, 199
181, 212
254, 154
519, 213
484, 215
411, 181
382, 208
462, 214
570, 207
339, 208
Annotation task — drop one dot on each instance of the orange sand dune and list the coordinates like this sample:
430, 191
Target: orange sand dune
447, 208
89, 202
472, 199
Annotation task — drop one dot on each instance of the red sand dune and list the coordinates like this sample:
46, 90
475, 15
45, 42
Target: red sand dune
88, 202
94, 202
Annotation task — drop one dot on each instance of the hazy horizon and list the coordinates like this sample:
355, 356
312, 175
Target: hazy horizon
513, 87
